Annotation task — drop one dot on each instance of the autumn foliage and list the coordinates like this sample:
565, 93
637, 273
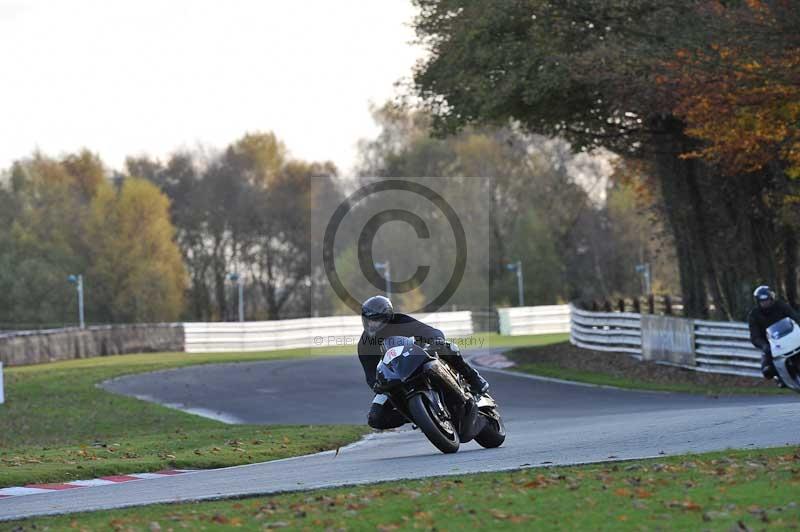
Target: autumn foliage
740, 93
704, 96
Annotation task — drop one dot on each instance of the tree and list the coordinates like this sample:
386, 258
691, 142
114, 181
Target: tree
244, 210
44, 244
62, 217
589, 70
540, 213
180, 178
740, 91
136, 269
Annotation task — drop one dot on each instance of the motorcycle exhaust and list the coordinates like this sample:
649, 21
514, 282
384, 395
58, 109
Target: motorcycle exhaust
472, 423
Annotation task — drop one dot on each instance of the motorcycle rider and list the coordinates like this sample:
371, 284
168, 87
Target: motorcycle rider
766, 312
378, 316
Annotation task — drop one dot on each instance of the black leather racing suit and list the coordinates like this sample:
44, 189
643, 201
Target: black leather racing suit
761, 318
382, 414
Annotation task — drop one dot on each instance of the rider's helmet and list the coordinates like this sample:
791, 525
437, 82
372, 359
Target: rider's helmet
376, 312
764, 296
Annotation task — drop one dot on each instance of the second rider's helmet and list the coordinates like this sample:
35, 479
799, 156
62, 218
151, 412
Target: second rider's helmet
764, 296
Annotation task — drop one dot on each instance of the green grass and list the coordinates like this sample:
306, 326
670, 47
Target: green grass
529, 340
736, 490
57, 425
545, 369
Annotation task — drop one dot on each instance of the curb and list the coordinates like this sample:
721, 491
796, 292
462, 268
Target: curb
33, 489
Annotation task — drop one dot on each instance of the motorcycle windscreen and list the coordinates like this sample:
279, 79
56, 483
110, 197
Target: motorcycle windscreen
779, 329
401, 362
389, 343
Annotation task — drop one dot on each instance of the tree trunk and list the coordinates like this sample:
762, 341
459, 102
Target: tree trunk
790, 266
680, 200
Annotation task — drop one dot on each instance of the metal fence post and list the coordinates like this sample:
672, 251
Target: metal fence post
77, 280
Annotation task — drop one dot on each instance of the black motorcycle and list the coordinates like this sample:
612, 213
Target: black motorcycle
435, 397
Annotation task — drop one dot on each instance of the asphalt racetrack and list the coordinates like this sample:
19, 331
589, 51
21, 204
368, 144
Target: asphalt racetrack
548, 423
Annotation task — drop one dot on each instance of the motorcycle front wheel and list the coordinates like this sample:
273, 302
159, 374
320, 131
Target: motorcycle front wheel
440, 432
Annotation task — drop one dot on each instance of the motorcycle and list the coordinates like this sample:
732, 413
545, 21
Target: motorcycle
784, 340
435, 397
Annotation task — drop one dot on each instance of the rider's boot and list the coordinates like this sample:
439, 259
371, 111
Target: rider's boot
767, 367
769, 371
477, 384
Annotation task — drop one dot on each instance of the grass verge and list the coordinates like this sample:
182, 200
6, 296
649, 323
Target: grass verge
56, 425
564, 361
736, 490
530, 340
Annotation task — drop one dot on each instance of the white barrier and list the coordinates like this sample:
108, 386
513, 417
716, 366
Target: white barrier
2, 393
719, 347
724, 347
303, 332
544, 319
607, 331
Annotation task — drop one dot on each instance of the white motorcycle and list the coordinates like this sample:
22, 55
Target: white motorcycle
784, 340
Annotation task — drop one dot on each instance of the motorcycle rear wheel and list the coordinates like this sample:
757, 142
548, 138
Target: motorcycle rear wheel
443, 439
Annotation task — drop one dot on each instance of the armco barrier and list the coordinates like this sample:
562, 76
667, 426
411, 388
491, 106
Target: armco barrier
724, 347
303, 332
607, 331
719, 347
544, 319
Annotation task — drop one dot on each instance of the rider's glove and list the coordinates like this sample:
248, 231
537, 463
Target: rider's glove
438, 344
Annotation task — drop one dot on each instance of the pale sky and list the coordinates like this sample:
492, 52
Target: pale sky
127, 77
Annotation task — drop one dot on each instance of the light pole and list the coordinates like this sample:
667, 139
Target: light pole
236, 278
644, 269
77, 280
517, 266
385, 267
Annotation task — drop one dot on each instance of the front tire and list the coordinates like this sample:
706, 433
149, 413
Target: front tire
493, 434
437, 431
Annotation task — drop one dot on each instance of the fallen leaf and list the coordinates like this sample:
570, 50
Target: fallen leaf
497, 514
693, 506
221, 519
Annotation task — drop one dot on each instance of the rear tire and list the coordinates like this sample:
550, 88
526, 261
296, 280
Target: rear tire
426, 421
493, 434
